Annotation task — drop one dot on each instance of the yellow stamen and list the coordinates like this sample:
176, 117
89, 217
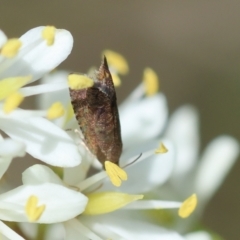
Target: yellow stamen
55, 111
11, 47
12, 102
11, 85
188, 206
105, 202
48, 33
116, 61
77, 81
33, 212
150, 80
115, 173
161, 149
116, 80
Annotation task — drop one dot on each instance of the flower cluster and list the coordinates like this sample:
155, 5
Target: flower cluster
79, 200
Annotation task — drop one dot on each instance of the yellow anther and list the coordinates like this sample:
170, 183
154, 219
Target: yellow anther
11, 85
48, 33
105, 202
115, 173
150, 80
117, 61
11, 47
77, 81
161, 149
116, 80
188, 206
12, 102
32, 210
55, 111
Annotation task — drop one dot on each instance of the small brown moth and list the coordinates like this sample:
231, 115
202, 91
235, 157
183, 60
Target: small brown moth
96, 111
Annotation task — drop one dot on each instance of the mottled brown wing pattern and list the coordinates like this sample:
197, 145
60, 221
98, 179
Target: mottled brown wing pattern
97, 114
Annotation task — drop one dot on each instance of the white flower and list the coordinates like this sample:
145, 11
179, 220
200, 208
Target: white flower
46, 198
22, 61
43, 203
193, 173
97, 226
34, 203
8, 150
144, 175
34, 55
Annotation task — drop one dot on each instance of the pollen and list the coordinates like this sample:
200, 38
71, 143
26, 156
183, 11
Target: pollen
115, 173
11, 47
48, 34
188, 206
162, 149
105, 202
150, 80
12, 102
55, 111
117, 61
33, 211
116, 80
11, 85
77, 81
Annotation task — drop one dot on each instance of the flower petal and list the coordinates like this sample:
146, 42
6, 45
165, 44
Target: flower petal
72, 176
128, 227
76, 230
60, 203
8, 232
11, 148
200, 235
55, 231
43, 140
29, 229
183, 131
143, 119
3, 38
38, 174
57, 80
148, 172
35, 57
216, 162
77, 174
43, 88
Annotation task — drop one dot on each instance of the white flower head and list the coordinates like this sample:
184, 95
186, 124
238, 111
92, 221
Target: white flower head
150, 171
25, 60
47, 198
202, 174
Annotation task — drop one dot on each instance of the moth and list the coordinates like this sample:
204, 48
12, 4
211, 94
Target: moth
96, 111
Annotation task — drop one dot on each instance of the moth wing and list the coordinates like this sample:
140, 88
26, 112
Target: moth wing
107, 125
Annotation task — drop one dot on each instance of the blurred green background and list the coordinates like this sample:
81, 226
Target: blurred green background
194, 46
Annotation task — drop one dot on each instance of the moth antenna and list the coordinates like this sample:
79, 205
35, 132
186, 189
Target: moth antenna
132, 161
